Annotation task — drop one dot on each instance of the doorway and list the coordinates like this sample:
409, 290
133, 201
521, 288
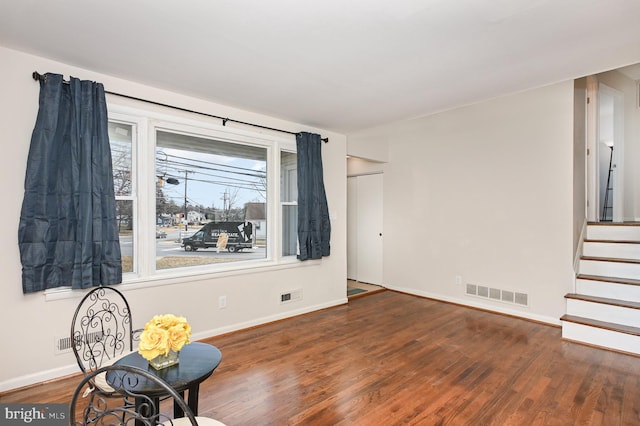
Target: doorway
605, 148
610, 153
364, 224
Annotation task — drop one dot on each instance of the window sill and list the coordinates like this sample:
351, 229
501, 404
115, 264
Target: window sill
170, 277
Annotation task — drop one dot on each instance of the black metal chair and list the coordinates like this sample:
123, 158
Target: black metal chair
102, 331
90, 406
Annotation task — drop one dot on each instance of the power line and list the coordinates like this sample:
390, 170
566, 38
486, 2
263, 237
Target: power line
206, 162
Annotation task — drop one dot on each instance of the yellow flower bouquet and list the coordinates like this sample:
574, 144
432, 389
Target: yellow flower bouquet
162, 338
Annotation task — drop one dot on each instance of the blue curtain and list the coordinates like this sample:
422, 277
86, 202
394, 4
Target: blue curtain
68, 233
314, 226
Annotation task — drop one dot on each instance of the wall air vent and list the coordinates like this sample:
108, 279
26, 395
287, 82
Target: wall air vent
507, 296
472, 289
501, 295
522, 299
63, 344
494, 293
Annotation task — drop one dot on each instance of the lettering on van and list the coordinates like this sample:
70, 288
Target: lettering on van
216, 233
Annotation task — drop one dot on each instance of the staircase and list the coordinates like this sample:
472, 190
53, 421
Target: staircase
605, 309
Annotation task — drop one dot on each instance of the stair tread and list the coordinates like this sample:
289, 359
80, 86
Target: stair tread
616, 239
592, 240
613, 223
627, 329
604, 300
615, 280
610, 259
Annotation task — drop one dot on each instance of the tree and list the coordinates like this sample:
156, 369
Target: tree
124, 214
121, 165
230, 197
161, 203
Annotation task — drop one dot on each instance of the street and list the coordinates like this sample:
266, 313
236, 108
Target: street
170, 246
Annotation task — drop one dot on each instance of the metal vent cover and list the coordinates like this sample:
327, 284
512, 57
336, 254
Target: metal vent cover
522, 299
64, 344
472, 289
501, 295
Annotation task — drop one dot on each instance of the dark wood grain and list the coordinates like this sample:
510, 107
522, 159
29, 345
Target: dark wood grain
392, 358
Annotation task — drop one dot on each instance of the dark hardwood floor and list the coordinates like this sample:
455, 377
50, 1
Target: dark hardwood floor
391, 358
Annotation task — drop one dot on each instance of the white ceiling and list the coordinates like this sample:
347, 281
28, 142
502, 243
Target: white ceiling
341, 65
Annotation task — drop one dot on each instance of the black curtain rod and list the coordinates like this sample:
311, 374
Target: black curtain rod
40, 77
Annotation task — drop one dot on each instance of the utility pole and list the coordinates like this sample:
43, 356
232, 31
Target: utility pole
186, 221
225, 198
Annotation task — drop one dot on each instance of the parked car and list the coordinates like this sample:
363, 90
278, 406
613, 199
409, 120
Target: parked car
239, 235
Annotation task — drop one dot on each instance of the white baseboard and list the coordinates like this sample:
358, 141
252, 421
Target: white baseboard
579, 249
479, 305
265, 320
42, 376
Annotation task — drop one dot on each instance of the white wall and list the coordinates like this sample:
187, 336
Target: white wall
370, 144
579, 165
31, 323
483, 192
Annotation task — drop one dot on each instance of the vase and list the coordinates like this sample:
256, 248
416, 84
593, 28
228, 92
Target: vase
164, 361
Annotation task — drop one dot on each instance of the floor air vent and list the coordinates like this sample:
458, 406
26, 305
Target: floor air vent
497, 294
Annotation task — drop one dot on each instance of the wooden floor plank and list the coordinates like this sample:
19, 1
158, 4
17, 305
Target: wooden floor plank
392, 358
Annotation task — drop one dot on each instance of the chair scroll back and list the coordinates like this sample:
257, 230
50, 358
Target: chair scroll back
101, 330
134, 407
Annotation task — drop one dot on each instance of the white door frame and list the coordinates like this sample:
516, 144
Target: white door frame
364, 247
352, 229
595, 90
593, 198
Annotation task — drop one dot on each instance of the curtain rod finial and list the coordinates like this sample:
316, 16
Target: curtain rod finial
39, 77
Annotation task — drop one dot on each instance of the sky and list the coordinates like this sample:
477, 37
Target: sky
210, 178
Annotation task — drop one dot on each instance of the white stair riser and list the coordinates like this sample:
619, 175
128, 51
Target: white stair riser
612, 250
610, 269
603, 312
620, 233
600, 337
609, 290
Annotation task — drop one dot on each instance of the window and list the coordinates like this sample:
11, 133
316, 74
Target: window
205, 185
205, 197
121, 137
289, 202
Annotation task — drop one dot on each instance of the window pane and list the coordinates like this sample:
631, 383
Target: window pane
288, 176
120, 138
289, 230
289, 198
121, 141
124, 213
218, 188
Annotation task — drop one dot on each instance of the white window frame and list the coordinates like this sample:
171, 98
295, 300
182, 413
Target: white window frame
139, 132
282, 204
144, 242
145, 123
